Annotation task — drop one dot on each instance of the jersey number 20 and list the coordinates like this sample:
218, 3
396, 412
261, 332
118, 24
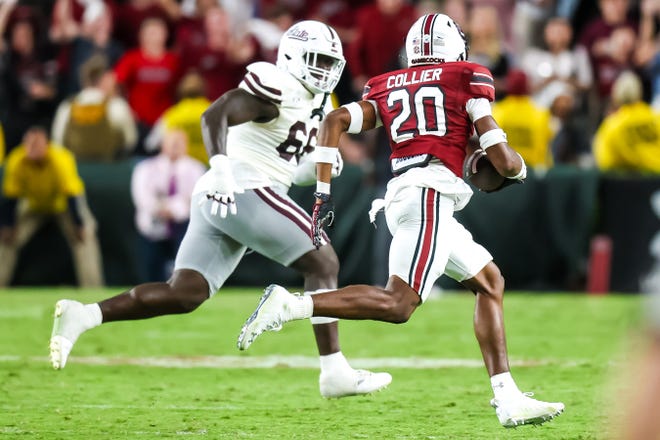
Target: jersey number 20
419, 112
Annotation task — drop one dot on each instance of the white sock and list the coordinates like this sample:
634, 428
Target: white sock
334, 362
319, 319
94, 315
503, 385
302, 307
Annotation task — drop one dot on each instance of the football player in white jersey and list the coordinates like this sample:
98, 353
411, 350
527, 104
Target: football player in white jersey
255, 135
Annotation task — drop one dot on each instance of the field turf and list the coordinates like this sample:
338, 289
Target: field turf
182, 376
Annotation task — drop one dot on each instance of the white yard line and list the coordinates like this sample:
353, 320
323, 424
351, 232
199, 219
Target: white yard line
287, 362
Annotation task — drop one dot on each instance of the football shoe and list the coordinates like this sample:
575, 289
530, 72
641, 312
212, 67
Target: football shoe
69, 323
352, 383
521, 409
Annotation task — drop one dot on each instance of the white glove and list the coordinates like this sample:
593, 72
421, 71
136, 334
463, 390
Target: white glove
338, 166
223, 186
305, 173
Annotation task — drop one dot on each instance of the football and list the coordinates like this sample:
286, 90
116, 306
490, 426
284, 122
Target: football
480, 172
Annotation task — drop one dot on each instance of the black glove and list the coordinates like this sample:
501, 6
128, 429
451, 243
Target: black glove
323, 214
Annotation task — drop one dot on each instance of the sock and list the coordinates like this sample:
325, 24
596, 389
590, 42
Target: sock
85, 317
302, 307
503, 385
319, 319
334, 362
94, 316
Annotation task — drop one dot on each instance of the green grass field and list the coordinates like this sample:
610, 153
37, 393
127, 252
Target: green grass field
182, 377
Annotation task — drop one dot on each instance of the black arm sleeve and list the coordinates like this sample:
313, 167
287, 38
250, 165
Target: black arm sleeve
8, 211
73, 205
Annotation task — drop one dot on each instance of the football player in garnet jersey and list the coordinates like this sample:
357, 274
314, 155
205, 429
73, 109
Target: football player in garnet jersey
428, 110
255, 135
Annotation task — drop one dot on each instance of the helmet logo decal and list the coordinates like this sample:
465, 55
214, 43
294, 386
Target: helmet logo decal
427, 34
298, 34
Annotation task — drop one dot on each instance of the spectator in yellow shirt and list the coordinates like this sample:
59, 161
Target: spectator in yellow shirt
41, 182
527, 126
629, 138
185, 115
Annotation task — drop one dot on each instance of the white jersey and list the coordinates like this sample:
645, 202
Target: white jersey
267, 153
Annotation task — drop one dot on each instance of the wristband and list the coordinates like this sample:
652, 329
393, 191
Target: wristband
492, 137
522, 174
218, 161
356, 117
322, 187
325, 154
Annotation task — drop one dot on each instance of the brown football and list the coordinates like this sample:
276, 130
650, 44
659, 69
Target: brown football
480, 172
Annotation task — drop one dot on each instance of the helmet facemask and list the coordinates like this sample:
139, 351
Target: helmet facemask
311, 52
323, 70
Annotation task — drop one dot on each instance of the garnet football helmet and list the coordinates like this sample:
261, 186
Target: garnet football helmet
435, 38
311, 51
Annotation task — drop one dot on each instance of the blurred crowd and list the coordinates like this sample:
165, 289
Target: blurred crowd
577, 82
124, 71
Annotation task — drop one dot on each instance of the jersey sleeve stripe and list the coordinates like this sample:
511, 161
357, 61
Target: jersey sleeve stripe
481, 78
268, 93
482, 85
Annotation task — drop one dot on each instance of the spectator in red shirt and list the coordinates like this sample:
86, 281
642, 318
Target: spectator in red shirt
222, 60
149, 75
381, 29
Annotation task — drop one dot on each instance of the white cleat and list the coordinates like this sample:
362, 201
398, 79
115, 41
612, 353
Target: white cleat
273, 310
523, 410
356, 382
67, 326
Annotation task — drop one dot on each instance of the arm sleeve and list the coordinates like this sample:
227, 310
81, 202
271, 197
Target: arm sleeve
73, 206
8, 211
477, 108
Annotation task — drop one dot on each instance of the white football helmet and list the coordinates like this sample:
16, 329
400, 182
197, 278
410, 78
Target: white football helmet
311, 51
435, 38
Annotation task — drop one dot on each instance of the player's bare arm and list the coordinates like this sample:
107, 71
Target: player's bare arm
351, 118
505, 159
234, 107
341, 121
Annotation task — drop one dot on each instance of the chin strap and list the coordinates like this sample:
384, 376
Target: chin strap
319, 111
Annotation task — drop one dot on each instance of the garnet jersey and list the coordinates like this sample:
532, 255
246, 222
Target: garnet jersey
423, 109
